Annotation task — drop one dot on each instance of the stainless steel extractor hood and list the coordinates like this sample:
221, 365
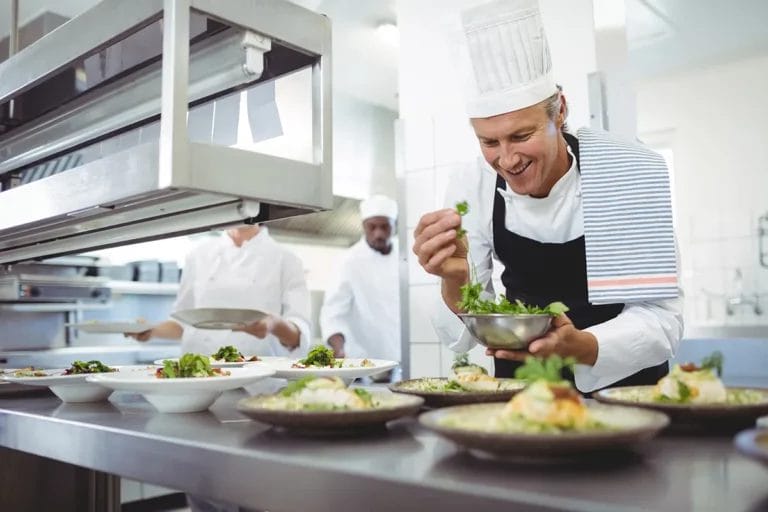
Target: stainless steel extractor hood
54, 201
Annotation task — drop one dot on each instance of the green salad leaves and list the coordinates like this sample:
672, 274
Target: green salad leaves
714, 362
548, 369
473, 304
229, 354
320, 355
79, 367
188, 366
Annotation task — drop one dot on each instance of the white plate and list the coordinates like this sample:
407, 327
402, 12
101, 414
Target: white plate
214, 363
181, 395
112, 327
71, 388
218, 318
350, 370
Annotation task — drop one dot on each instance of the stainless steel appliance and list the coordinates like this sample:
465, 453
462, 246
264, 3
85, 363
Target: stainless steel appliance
95, 162
47, 288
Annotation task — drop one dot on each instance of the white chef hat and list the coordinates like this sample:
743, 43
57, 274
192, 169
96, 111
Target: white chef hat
507, 61
378, 206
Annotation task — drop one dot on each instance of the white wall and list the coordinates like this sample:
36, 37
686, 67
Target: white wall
435, 140
714, 121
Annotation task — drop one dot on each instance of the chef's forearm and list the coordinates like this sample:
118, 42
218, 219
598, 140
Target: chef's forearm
451, 291
169, 330
287, 333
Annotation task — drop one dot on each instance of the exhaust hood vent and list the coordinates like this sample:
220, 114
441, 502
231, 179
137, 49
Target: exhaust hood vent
119, 157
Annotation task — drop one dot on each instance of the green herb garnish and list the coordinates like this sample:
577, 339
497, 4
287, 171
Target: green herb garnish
713, 362
364, 395
80, 367
684, 391
462, 209
229, 354
319, 356
548, 369
296, 385
188, 366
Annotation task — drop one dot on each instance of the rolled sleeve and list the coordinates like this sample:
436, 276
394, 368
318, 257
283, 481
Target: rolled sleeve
641, 336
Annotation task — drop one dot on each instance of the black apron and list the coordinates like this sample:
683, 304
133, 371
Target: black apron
540, 273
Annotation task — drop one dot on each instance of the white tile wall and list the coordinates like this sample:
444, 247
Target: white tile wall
719, 184
419, 194
417, 275
418, 143
424, 300
425, 360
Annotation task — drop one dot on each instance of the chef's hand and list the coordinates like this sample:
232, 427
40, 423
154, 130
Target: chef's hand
439, 250
336, 342
261, 328
140, 336
563, 339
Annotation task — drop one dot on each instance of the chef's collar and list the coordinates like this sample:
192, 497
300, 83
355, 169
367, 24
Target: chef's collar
253, 242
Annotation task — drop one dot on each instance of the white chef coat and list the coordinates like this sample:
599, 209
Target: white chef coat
258, 275
644, 334
363, 303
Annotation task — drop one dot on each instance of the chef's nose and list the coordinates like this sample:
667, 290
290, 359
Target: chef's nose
508, 156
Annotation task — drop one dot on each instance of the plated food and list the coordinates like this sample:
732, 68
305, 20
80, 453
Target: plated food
326, 403
69, 384
469, 383
321, 363
547, 418
694, 395
226, 356
188, 385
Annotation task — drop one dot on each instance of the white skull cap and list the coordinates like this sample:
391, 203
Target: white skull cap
378, 206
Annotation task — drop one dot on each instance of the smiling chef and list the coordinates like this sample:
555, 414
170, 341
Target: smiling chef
581, 218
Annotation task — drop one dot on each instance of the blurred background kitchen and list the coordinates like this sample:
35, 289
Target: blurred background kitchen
685, 76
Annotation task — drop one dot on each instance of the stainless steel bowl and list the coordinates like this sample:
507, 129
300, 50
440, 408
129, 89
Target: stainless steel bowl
512, 332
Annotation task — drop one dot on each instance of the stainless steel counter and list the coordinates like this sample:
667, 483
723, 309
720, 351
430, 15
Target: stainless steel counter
221, 454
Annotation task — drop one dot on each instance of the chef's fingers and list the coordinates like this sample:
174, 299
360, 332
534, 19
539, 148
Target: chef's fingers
437, 221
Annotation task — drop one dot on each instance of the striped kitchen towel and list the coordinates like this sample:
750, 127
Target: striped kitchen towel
628, 234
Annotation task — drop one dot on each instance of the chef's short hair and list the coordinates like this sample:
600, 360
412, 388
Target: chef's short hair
552, 105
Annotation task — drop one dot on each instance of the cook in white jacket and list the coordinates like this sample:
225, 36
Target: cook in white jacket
361, 311
527, 212
246, 269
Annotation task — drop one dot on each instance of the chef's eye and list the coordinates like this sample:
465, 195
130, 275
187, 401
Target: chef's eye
489, 143
521, 138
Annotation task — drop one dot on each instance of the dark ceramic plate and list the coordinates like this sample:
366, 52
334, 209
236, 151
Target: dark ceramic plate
630, 425
754, 444
392, 406
448, 398
700, 416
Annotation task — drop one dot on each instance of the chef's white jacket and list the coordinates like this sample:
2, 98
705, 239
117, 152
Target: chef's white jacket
259, 275
644, 334
363, 303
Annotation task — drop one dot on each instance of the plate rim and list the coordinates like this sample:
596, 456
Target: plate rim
600, 396
103, 378
746, 443
394, 388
